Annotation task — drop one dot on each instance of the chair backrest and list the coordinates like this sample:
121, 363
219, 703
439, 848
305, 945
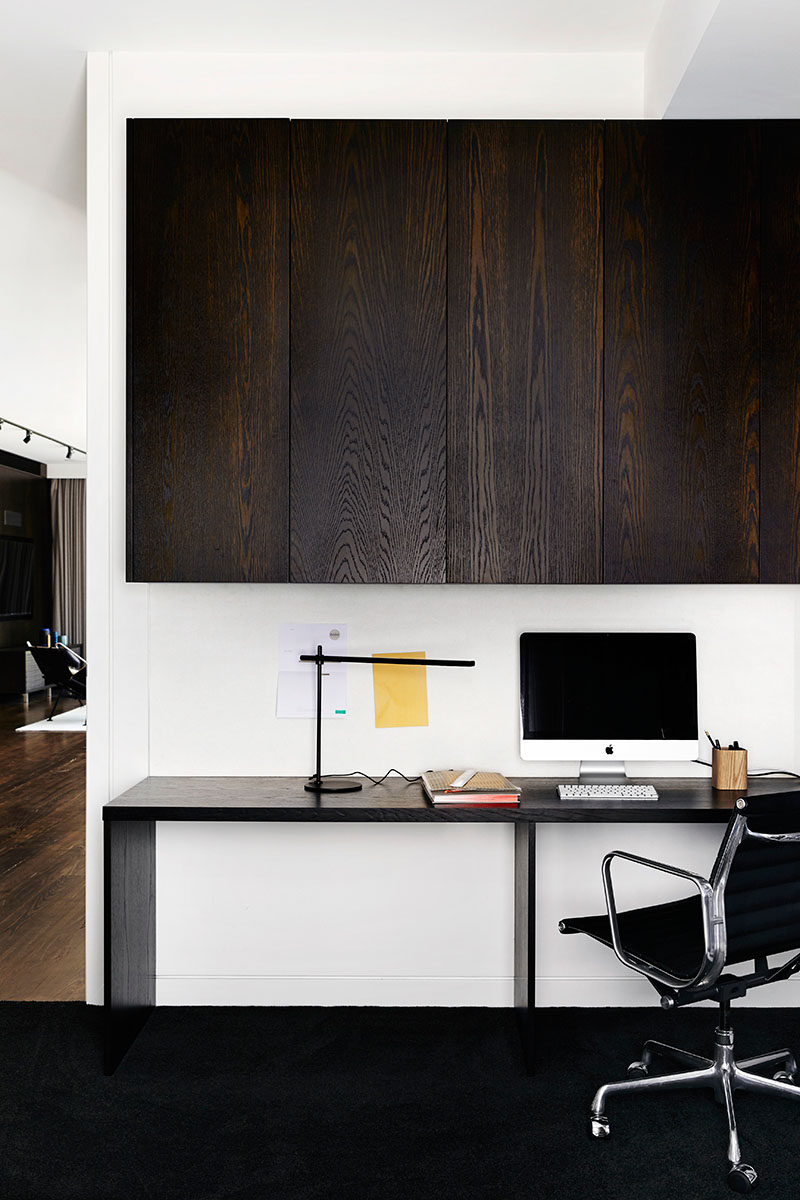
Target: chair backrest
758, 866
53, 664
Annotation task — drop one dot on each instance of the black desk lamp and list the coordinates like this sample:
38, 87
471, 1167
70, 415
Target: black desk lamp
316, 783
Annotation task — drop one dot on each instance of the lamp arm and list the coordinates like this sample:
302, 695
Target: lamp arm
316, 783
400, 662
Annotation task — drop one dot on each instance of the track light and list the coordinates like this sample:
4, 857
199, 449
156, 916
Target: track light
31, 433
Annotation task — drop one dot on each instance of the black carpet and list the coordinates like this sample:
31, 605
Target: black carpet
385, 1104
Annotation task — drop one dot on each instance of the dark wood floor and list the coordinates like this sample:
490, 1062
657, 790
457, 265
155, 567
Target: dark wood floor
42, 821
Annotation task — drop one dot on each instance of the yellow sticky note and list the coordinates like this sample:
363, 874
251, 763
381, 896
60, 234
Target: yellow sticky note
401, 693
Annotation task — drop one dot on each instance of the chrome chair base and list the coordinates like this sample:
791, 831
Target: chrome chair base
721, 1073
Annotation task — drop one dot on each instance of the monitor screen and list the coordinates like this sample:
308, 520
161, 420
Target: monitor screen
590, 695
16, 577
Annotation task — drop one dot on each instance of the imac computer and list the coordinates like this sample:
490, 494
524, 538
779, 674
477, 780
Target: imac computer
608, 698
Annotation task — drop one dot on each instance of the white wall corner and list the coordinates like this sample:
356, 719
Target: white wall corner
117, 741
672, 46
98, 600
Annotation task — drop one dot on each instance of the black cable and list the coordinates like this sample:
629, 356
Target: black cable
754, 774
391, 771
758, 774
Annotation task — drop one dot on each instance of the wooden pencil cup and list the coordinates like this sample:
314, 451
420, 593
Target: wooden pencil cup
729, 770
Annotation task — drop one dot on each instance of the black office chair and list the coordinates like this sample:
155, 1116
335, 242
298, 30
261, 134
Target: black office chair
748, 909
61, 669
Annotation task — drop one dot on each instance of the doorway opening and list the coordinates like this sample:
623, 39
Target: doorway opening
42, 760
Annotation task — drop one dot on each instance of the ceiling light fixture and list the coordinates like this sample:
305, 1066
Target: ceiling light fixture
31, 433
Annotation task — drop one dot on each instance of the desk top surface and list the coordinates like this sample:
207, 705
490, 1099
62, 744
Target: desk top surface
256, 798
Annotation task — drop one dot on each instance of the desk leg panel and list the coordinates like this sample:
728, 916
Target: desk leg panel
129, 850
525, 935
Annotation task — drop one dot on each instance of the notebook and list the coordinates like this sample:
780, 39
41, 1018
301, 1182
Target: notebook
485, 788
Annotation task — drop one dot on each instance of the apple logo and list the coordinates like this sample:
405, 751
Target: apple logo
609, 749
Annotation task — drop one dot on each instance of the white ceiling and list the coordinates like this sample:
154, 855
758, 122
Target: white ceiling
746, 65
351, 25
43, 47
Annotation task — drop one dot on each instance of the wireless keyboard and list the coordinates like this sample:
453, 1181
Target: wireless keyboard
607, 791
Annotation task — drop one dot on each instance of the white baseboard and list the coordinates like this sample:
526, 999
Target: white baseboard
402, 992
635, 992
426, 991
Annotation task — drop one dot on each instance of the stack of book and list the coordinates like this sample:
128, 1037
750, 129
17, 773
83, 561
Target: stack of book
475, 789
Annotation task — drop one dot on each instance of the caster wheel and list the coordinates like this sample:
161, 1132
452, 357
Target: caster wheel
637, 1070
600, 1127
742, 1178
784, 1077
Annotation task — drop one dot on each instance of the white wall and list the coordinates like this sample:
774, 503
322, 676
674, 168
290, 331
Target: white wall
42, 316
356, 914
745, 653
672, 46
744, 64
116, 612
303, 900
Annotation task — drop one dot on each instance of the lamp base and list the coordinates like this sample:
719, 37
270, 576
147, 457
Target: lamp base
332, 784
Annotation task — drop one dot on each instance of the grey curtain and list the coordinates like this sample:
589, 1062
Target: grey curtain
68, 511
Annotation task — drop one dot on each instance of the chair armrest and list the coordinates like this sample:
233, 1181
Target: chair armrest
714, 936
70, 653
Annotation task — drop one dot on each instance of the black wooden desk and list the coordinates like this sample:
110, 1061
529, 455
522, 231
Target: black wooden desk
130, 860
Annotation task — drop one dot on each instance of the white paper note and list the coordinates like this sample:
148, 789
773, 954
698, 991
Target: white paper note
297, 681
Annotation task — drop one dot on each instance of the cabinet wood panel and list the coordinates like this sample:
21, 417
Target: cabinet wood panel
208, 386
368, 351
525, 351
681, 458
780, 364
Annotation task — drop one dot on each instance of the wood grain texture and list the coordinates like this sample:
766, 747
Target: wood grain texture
129, 934
525, 351
273, 798
525, 937
780, 361
42, 851
682, 352
208, 240
368, 350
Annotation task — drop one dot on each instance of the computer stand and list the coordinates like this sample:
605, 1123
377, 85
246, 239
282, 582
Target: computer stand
602, 771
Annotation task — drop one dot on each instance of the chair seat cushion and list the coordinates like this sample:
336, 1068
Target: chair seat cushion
667, 936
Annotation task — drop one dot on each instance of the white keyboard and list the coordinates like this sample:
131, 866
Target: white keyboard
607, 791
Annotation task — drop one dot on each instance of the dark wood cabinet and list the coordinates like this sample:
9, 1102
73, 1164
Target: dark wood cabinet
487, 351
682, 311
780, 354
368, 351
208, 363
525, 351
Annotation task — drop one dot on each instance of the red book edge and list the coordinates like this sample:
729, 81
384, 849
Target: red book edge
476, 801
